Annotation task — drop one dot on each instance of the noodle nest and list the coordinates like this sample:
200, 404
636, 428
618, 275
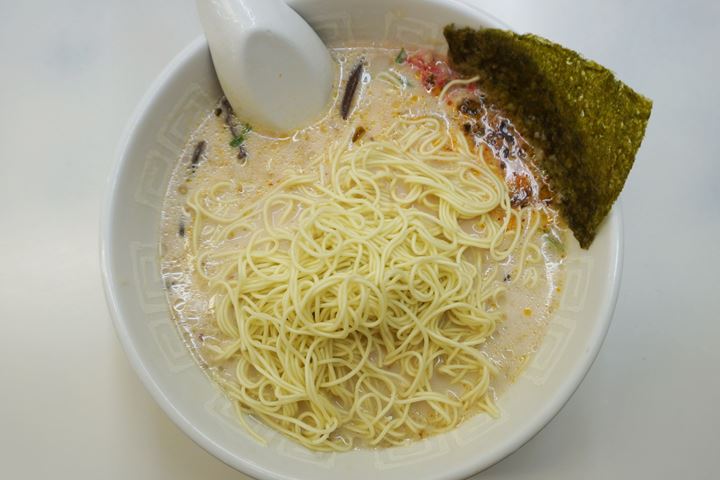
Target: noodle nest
352, 303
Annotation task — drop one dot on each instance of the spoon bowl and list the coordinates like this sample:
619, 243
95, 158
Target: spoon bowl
273, 68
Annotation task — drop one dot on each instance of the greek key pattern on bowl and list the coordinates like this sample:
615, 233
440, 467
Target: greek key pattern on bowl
169, 141
189, 112
415, 452
147, 280
577, 282
165, 335
334, 28
551, 349
477, 427
404, 30
219, 407
157, 168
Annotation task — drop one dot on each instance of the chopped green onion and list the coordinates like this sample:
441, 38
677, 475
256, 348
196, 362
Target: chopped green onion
401, 57
554, 242
240, 139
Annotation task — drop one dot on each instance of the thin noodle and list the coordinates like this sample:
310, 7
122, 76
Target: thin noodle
453, 83
357, 289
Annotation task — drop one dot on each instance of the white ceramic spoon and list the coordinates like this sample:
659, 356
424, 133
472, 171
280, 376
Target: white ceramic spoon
272, 66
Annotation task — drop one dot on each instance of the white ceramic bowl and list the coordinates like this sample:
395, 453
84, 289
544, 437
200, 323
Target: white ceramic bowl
129, 250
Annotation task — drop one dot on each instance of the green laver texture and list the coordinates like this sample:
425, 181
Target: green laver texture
588, 123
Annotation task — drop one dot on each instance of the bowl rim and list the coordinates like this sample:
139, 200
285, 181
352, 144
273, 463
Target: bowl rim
246, 465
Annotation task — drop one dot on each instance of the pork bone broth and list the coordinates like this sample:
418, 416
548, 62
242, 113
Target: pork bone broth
369, 280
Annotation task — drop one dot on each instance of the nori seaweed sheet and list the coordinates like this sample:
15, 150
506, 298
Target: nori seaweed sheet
588, 123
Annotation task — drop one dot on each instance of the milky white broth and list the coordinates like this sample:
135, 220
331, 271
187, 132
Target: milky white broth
271, 159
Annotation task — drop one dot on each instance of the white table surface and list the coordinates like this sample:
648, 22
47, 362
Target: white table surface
71, 407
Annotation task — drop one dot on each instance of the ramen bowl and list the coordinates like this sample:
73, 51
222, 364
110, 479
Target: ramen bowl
151, 145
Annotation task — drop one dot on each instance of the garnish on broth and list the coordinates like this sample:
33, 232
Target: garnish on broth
238, 131
589, 124
433, 70
197, 154
240, 135
350, 89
